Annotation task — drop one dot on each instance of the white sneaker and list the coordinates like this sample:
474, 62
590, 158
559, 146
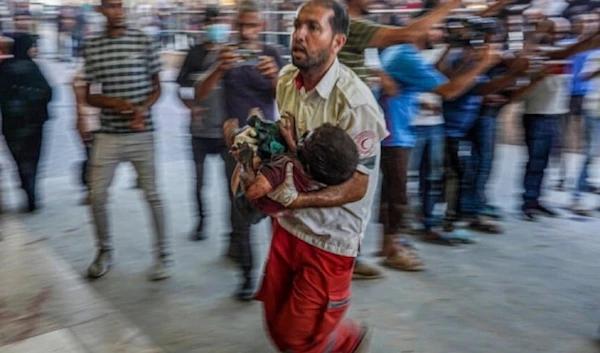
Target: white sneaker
101, 264
160, 270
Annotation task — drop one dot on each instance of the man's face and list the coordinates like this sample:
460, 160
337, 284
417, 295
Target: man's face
249, 25
313, 40
23, 23
114, 12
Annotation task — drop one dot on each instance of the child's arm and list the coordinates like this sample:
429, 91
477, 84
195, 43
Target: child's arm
254, 185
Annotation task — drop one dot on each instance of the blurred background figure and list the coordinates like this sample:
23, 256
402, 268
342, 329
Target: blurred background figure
66, 25
88, 122
207, 115
24, 98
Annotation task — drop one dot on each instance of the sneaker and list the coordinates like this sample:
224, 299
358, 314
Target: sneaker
579, 210
529, 213
160, 270
246, 291
101, 264
544, 211
405, 260
491, 211
366, 271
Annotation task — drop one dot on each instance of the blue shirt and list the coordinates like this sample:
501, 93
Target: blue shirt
579, 87
414, 75
461, 113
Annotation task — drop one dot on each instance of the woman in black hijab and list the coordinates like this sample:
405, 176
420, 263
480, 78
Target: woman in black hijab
24, 98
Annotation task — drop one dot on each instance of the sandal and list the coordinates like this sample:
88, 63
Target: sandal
405, 260
461, 236
438, 238
491, 211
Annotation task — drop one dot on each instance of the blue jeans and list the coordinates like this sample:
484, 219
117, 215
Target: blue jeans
592, 140
540, 132
478, 166
428, 157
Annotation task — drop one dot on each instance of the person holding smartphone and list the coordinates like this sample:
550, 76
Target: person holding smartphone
247, 71
208, 114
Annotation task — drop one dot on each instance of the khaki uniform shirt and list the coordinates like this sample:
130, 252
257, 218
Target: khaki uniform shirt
344, 100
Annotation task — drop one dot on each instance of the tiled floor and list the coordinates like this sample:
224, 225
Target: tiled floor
46, 307
61, 341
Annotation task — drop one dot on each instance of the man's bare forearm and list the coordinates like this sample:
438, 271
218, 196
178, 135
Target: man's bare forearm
153, 97
205, 86
334, 196
584, 45
438, 14
100, 101
495, 9
593, 75
390, 35
521, 92
461, 83
499, 84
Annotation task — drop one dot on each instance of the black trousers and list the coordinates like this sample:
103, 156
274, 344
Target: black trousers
239, 246
25, 145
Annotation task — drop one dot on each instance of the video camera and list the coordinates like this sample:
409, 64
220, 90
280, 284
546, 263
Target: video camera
470, 31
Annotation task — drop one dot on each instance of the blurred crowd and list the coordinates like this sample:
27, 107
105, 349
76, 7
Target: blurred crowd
303, 144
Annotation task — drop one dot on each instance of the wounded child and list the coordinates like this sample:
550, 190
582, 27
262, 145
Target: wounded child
322, 157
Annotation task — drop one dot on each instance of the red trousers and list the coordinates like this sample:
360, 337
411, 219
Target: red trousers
306, 293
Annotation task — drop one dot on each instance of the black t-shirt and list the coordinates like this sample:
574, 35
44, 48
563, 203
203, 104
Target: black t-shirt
193, 64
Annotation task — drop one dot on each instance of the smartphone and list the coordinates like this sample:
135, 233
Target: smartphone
248, 57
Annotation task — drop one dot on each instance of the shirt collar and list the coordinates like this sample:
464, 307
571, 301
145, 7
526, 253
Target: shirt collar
325, 86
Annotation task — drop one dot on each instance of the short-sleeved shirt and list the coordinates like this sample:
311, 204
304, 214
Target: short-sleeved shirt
430, 103
591, 102
274, 171
410, 69
343, 100
123, 68
461, 113
353, 53
195, 67
246, 88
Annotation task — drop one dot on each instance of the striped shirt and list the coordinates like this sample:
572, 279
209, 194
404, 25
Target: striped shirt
123, 68
353, 53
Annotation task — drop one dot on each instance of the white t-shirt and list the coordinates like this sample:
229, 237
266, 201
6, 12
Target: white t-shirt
553, 94
431, 112
591, 102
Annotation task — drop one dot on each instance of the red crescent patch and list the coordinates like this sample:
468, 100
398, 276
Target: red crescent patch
366, 142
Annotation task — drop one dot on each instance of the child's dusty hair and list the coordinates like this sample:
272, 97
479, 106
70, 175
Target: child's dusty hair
329, 155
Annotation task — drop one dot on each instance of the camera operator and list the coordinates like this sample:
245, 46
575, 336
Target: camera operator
461, 114
546, 100
427, 155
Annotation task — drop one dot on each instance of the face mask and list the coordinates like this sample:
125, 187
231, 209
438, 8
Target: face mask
218, 33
